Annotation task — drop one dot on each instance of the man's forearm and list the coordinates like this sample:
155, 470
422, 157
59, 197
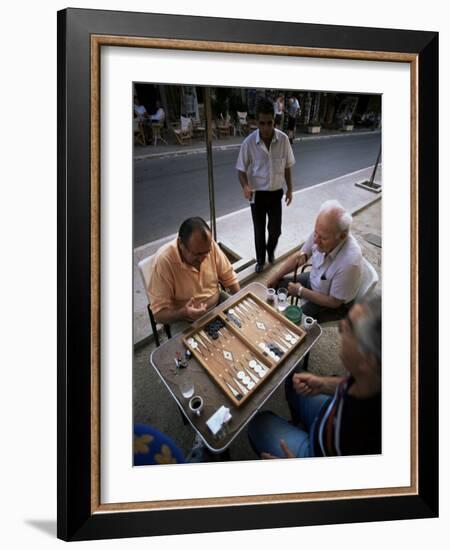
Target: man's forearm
243, 180
330, 383
234, 288
288, 266
320, 299
288, 178
169, 315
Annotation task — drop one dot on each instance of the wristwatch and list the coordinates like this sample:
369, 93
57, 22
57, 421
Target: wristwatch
300, 291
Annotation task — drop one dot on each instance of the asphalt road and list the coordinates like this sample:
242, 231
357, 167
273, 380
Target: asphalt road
170, 189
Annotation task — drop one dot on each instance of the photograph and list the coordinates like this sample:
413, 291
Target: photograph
236, 216
257, 245
226, 225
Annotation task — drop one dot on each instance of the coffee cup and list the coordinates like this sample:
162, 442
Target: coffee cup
308, 322
196, 404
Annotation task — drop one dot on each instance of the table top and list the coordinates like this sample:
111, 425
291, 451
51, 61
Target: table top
163, 361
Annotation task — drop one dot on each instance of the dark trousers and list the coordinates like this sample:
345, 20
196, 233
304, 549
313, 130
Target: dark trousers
267, 206
321, 313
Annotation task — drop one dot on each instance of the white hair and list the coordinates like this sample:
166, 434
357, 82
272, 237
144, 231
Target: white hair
344, 219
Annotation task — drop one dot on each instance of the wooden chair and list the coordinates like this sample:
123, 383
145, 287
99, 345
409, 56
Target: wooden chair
224, 125
138, 132
145, 269
157, 128
183, 134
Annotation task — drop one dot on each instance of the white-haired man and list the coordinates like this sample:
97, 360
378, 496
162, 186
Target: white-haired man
332, 415
333, 282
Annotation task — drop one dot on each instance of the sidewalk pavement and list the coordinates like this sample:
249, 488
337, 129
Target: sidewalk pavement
198, 144
235, 230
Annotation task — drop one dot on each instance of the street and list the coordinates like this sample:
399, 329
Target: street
171, 189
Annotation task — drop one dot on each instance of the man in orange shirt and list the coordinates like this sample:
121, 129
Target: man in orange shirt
186, 275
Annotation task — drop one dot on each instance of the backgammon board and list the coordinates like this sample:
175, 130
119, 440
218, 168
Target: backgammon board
243, 344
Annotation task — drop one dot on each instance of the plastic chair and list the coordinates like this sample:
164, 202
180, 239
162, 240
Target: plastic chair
145, 269
369, 279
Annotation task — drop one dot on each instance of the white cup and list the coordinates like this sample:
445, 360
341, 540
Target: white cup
196, 404
308, 322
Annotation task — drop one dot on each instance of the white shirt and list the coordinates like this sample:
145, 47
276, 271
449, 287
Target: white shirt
141, 111
265, 168
279, 107
293, 107
159, 115
338, 273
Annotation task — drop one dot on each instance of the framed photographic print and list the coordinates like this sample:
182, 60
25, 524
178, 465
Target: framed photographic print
117, 72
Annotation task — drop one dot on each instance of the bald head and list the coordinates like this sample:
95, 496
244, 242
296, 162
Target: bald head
332, 226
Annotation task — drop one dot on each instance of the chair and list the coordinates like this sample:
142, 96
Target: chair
369, 279
183, 134
156, 130
145, 269
138, 132
224, 125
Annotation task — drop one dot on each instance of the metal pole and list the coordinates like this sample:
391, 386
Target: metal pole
375, 168
208, 136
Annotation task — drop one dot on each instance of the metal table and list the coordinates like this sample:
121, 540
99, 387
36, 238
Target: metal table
163, 361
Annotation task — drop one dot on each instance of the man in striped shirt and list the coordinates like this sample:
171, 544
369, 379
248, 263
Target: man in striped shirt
332, 416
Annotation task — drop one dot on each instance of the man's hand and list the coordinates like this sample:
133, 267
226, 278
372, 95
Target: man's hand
247, 192
307, 384
193, 311
293, 288
288, 197
288, 453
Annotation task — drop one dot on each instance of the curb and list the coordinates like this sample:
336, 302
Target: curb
199, 150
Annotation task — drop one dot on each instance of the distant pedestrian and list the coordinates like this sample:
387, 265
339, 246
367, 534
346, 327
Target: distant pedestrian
279, 112
293, 112
264, 165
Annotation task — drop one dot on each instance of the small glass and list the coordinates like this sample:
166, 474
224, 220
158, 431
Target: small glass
186, 387
282, 294
270, 295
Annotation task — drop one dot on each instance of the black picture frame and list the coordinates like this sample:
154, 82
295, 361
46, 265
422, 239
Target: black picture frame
77, 516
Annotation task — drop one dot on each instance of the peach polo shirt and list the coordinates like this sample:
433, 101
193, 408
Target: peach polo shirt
174, 282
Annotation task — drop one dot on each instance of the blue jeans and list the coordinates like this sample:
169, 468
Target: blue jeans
266, 429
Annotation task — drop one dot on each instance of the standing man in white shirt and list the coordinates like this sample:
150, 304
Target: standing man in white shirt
264, 165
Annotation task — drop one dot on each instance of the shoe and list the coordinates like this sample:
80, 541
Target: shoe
259, 268
271, 258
